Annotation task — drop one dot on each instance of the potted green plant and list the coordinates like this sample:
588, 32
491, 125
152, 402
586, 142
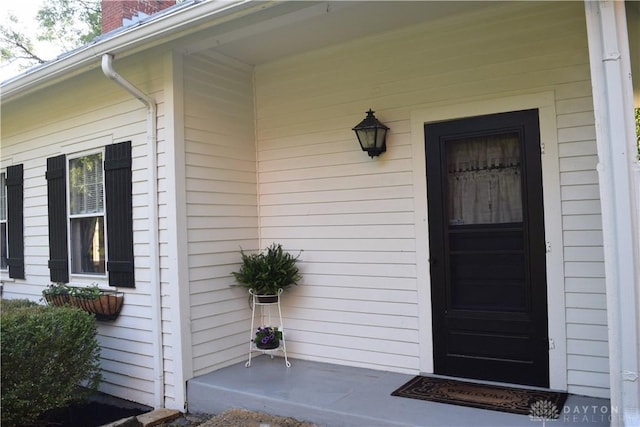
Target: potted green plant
56, 294
267, 337
268, 273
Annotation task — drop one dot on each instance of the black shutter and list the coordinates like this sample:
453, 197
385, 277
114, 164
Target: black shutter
118, 189
57, 199
15, 222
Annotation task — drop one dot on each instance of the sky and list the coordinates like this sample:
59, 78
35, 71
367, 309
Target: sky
26, 11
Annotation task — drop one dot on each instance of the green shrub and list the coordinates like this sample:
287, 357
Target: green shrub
10, 304
47, 354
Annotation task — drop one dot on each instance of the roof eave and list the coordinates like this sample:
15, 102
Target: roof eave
142, 36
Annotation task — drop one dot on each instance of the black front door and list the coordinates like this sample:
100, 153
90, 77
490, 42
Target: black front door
487, 248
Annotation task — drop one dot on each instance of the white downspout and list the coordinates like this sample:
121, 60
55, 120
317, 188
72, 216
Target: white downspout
152, 187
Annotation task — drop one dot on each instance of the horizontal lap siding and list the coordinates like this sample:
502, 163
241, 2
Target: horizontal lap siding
585, 297
353, 216
84, 114
221, 205
354, 220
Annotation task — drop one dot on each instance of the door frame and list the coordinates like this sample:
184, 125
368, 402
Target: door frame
545, 103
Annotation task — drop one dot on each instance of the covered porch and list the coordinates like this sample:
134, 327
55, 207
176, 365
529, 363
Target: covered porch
335, 395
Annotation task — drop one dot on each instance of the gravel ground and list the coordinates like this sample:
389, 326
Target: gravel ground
240, 418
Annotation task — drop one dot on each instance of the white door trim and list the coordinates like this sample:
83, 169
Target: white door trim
545, 103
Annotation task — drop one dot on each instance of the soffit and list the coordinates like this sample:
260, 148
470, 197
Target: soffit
253, 32
297, 27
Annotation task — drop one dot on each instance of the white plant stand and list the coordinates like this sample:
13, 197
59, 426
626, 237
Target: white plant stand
265, 316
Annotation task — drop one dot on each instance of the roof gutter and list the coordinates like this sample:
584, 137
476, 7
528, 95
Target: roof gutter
184, 21
153, 226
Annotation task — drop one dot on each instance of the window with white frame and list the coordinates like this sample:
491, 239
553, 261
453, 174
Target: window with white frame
90, 215
86, 215
3, 222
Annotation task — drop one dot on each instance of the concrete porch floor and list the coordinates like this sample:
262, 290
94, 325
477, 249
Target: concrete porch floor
333, 395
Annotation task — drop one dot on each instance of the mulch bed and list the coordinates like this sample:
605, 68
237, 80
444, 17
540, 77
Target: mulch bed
87, 414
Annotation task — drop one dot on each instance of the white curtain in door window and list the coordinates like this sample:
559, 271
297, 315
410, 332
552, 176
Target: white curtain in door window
484, 180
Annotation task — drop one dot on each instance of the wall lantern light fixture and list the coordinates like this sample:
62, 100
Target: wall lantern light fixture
372, 135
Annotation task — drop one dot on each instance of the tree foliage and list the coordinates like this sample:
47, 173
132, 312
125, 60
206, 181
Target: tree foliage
70, 22
65, 24
15, 45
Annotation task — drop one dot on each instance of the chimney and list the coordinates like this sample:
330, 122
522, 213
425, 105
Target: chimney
115, 13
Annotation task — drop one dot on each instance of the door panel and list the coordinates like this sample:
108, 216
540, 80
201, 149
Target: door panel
487, 252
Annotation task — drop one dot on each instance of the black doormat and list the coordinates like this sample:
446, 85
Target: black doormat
496, 398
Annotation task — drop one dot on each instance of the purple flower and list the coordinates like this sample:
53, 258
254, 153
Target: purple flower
266, 335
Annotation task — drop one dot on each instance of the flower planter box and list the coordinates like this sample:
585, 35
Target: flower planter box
271, 345
105, 305
57, 300
267, 299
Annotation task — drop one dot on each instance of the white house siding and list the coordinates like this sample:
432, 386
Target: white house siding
353, 216
222, 214
587, 348
87, 112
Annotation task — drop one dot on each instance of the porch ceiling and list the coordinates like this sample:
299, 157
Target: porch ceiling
293, 27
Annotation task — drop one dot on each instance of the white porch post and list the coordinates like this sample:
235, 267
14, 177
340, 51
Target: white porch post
615, 136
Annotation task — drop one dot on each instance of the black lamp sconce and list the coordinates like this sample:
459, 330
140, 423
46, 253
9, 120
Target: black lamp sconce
372, 135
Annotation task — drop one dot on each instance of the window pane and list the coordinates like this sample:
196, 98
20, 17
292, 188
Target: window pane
3, 198
87, 245
85, 184
484, 180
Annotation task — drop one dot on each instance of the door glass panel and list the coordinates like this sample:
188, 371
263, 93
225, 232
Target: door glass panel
483, 175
